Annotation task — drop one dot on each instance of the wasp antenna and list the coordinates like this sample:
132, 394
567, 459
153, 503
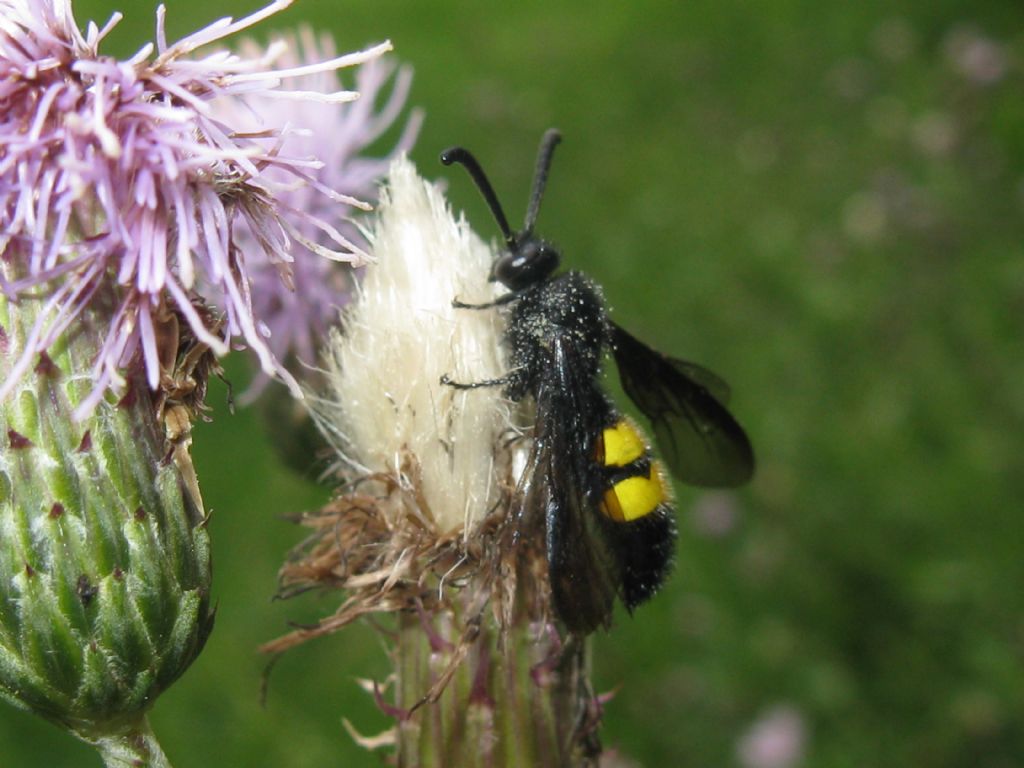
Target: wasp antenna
548, 143
465, 158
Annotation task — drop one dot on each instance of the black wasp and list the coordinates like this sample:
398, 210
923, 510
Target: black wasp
604, 500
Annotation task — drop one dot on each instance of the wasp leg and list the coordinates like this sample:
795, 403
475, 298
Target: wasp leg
500, 382
507, 298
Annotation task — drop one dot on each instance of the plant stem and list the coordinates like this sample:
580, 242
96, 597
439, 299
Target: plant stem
523, 701
135, 748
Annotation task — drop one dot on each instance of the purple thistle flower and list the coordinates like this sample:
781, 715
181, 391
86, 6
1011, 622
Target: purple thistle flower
299, 311
125, 171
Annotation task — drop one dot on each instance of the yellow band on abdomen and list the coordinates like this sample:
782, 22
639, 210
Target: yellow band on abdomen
623, 444
634, 497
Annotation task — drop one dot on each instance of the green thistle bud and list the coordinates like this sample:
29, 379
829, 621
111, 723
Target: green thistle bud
104, 555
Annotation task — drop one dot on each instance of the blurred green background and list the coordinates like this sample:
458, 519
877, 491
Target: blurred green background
821, 201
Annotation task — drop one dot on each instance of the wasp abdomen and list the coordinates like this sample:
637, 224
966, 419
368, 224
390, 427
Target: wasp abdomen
635, 484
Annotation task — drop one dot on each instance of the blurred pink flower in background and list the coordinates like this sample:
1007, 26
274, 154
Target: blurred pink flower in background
777, 739
715, 514
978, 58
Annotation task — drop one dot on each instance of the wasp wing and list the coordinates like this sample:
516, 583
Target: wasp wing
700, 375
699, 439
583, 569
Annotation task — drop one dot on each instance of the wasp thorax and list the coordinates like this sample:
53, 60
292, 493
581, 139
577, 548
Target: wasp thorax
525, 263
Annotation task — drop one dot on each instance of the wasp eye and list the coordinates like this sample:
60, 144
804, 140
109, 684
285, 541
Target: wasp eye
528, 262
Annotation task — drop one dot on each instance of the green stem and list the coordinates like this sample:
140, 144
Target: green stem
519, 702
135, 748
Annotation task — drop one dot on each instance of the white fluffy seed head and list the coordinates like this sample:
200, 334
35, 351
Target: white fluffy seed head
384, 403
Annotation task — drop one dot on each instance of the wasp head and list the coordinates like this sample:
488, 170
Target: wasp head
527, 259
